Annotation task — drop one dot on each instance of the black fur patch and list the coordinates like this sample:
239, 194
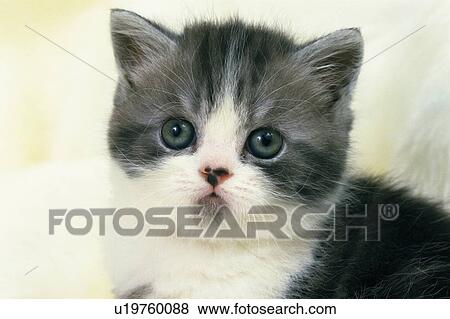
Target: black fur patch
411, 259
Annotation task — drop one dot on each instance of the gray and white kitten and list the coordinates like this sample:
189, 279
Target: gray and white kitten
239, 115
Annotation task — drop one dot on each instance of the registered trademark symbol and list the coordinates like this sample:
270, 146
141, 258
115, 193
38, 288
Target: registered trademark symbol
389, 211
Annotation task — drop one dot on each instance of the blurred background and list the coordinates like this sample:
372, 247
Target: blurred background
54, 111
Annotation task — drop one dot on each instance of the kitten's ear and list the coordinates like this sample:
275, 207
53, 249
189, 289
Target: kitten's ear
138, 42
335, 59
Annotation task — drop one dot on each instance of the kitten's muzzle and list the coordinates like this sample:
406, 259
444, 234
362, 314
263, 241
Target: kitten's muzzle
215, 176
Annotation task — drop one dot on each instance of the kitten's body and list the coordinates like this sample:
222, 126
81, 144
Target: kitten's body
228, 81
412, 258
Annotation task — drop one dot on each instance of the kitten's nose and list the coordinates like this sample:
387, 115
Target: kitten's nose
215, 176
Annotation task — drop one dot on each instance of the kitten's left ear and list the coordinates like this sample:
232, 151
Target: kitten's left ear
138, 42
335, 60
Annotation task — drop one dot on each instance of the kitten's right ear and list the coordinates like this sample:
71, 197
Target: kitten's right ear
335, 59
138, 43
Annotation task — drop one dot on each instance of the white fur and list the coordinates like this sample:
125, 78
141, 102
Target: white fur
422, 158
36, 264
177, 267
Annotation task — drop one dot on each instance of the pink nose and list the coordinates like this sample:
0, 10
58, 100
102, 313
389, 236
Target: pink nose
215, 176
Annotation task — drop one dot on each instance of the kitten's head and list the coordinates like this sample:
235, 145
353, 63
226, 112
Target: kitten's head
231, 113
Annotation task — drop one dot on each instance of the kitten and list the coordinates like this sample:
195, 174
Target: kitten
240, 116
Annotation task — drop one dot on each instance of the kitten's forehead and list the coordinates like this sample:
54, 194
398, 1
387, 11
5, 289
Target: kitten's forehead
226, 64
225, 120
230, 58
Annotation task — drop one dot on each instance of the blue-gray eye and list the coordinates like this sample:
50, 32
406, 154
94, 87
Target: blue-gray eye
264, 143
178, 134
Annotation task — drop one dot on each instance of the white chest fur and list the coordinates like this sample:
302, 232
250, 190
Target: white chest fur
176, 268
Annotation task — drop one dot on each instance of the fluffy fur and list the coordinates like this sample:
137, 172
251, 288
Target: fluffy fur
411, 259
422, 158
228, 79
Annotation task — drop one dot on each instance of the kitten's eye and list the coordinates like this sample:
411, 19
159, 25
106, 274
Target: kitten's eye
177, 134
264, 143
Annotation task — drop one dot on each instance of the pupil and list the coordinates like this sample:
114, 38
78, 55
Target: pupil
266, 139
176, 130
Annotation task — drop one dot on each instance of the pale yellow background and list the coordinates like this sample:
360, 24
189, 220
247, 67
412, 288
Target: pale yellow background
54, 109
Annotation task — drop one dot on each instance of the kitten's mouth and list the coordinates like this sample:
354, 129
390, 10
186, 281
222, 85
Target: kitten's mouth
212, 200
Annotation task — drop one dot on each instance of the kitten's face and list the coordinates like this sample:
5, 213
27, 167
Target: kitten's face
231, 114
